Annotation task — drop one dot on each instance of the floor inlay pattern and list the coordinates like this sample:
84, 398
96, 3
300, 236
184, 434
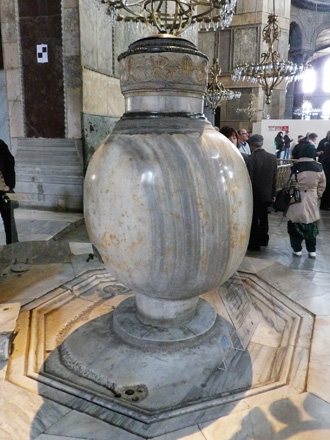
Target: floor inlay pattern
274, 365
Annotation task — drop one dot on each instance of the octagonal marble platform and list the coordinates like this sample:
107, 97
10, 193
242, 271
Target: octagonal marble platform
288, 357
274, 366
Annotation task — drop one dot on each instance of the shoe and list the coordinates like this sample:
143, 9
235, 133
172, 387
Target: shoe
312, 254
297, 254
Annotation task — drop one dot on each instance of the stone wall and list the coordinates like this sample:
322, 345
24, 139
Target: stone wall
101, 43
44, 109
12, 66
242, 43
4, 129
14, 39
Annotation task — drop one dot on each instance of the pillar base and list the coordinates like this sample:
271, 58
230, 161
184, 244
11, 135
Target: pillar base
130, 329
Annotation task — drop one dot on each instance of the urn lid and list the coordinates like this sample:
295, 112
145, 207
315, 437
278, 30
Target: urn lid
163, 64
162, 43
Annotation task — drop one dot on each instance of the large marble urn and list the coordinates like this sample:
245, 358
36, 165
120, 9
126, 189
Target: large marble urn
167, 197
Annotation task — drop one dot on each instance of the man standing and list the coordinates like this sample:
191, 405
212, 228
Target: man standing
294, 146
320, 147
279, 144
263, 173
7, 184
287, 141
243, 136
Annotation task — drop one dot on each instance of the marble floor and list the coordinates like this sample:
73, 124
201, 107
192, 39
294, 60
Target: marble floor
34, 225
54, 247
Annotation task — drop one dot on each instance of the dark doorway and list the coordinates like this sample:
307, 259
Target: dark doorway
42, 63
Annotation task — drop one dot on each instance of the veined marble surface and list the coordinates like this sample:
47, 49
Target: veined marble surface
167, 198
162, 236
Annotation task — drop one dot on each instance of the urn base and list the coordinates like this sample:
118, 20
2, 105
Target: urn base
160, 386
132, 330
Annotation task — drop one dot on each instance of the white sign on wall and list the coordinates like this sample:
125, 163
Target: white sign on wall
270, 127
42, 53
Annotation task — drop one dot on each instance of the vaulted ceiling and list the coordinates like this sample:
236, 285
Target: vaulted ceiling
316, 5
322, 47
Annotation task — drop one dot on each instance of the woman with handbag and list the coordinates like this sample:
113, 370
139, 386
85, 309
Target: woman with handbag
302, 217
7, 184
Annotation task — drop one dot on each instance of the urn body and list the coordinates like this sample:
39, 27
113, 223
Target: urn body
167, 198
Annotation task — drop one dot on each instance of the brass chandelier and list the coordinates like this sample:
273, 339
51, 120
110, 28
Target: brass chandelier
172, 16
216, 92
250, 110
271, 71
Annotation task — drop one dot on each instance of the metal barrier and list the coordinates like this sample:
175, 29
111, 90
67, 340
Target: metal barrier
286, 161
283, 171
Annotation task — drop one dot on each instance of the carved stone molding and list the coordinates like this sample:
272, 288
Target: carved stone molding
159, 71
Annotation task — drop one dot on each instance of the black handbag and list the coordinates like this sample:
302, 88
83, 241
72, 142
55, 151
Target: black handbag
6, 202
282, 200
288, 195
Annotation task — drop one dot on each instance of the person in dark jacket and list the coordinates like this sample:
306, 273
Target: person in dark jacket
287, 141
7, 184
325, 200
309, 139
263, 174
320, 147
279, 144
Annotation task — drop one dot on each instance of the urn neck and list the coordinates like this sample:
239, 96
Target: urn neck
163, 103
163, 75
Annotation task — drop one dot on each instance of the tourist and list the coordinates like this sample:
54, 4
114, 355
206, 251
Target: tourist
295, 144
232, 135
320, 147
309, 139
287, 141
302, 217
279, 144
325, 200
243, 144
263, 173
7, 184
